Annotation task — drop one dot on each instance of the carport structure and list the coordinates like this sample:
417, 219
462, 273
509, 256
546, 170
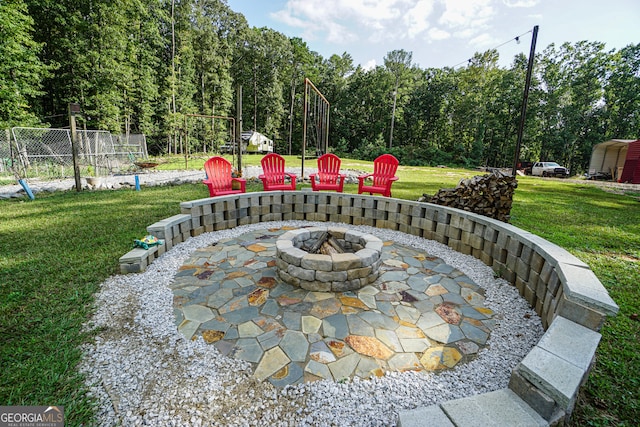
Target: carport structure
618, 159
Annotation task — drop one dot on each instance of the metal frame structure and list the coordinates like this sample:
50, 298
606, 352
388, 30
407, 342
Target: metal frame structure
319, 111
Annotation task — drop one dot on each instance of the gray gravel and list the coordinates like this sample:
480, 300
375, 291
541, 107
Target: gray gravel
146, 178
142, 371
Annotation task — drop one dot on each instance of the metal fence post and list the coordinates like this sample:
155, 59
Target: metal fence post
73, 110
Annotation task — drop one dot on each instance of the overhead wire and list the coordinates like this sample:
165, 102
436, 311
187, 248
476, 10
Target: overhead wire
516, 39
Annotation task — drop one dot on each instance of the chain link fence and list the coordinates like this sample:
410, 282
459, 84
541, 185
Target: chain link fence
48, 153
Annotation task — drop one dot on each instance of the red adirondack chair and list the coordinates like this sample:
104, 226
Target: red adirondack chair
384, 170
328, 176
219, 179
273, 176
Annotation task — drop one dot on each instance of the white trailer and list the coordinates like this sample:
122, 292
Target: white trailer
257, 142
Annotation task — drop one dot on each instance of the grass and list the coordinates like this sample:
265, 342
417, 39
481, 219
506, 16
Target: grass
56, 250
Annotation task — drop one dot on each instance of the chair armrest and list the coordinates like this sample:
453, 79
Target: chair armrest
243, 183
361, 178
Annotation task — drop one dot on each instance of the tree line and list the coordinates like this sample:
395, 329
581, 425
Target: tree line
145, 66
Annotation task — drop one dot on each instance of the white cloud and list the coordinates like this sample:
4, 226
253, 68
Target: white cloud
416, 18
437, 34
468, 14
369, 65
482, 41
339, 21
520, 3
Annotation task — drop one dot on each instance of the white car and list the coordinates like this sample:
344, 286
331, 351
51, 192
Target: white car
549, 169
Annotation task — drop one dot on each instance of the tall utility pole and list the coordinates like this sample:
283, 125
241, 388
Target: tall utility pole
523, 112
239, 125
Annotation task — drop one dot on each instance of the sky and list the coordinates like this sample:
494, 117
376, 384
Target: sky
443, 33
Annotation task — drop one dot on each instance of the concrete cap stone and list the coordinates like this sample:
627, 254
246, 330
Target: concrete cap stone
428, 415
556, 377
500, 408
582, 285
572, 342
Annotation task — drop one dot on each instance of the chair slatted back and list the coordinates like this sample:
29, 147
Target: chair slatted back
384, 168
329, 168
218, 170
273, 168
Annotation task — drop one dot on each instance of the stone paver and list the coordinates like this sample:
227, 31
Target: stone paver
420, 314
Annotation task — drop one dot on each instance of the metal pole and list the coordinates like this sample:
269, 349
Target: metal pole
73, 109
186, 145
239, 124
304, 124
523, 113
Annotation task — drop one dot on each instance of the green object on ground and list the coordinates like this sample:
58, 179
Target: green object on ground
147, 241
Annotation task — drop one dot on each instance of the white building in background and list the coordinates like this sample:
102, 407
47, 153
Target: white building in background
256, 142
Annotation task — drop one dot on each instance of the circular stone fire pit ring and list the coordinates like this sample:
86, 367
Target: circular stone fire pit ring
338, 272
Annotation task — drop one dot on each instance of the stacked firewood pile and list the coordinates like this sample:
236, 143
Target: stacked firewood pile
489, 195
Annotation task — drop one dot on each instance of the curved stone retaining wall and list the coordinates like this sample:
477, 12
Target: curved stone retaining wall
563, 290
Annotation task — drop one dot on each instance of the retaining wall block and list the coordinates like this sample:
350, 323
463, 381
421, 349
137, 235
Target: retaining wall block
491, 235
454, 232
468, 225
529, 294
539, 307
515, 247
526, 254
511, 261
137, 260
485, 254
536, 399
499, 253
408, 229
442, 230
582, 285
586, 316
522, 269
553, 375
455, 245
456, 221
520, 285
503, 240
537, 262
443, 217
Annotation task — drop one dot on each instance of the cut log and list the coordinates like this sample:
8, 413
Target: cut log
336, 245
318, 244
327, 249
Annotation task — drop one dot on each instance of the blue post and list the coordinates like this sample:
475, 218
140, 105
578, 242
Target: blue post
137, 183
26, 188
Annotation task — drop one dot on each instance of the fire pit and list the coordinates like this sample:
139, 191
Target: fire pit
328, 259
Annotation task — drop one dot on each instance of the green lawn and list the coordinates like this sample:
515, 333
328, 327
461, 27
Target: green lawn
57, 249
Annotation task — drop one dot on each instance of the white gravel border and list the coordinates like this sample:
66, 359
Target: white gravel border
142, 371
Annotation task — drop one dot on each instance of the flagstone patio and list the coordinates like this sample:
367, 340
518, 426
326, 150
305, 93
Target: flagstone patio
420, 314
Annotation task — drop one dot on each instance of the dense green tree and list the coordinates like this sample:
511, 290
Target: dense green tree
147, 66
21, 70
397, 62
622, 93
